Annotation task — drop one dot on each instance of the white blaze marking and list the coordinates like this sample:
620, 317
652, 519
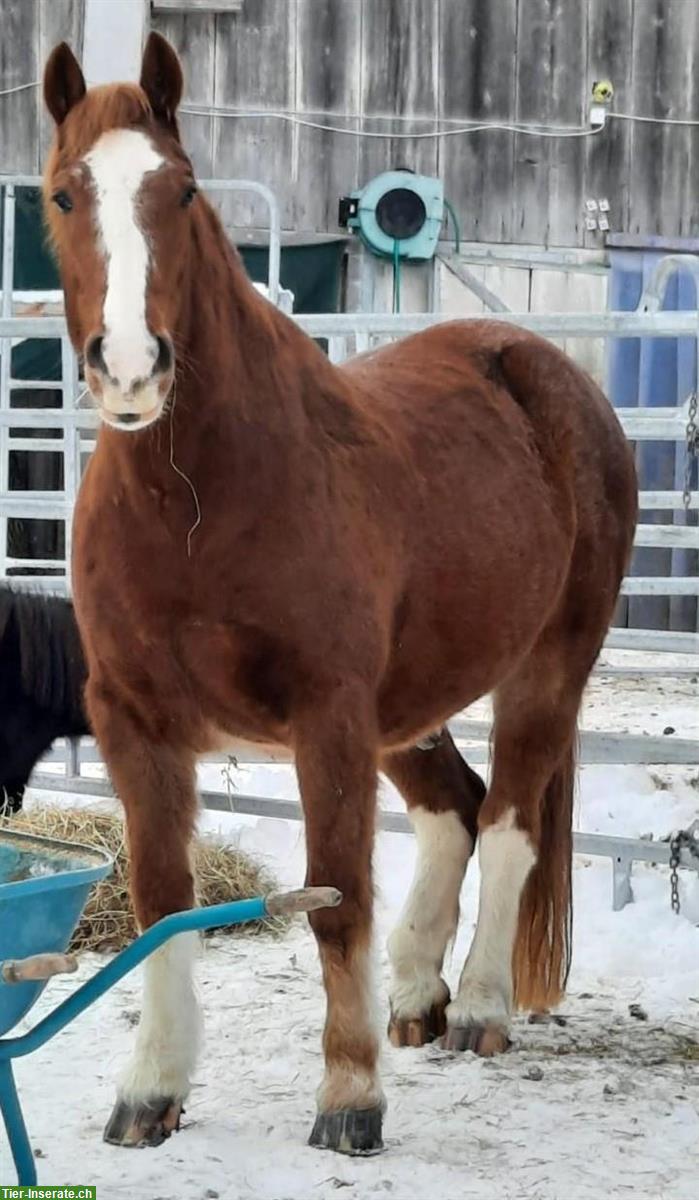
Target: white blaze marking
485, 989
118, 162
169, 1031
417, 945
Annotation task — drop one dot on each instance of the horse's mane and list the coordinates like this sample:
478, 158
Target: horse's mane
47, 641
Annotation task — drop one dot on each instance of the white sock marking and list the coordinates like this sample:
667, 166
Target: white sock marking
118, 162
430, 916
169, 1032
485, 989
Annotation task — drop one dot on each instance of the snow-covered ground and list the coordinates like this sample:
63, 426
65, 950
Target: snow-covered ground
605, 1105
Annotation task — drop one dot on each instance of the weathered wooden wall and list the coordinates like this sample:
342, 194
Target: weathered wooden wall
524, 60
368, 61
29, 29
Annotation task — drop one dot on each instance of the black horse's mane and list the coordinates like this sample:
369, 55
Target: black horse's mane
43, 633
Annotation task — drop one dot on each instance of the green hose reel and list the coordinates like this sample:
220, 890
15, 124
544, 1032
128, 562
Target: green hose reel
397, 215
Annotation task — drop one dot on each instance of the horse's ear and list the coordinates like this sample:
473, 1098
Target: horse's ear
64, 83
161, 79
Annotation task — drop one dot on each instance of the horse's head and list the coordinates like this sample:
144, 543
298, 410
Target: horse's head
118, 192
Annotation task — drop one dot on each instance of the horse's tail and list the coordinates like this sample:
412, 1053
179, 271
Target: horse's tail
541, 956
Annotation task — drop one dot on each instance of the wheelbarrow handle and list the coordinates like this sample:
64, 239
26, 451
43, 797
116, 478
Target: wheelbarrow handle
39, 966
303, 900
43, 966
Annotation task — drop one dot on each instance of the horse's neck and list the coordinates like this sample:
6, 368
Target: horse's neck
237, 349
246, 356
219, 306
243, 367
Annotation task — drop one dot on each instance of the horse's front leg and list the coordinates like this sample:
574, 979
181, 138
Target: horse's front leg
336, 760
156, 786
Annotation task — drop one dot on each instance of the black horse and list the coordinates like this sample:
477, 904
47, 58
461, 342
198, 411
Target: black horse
42, 675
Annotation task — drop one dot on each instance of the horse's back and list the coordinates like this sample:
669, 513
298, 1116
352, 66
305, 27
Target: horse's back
486, 382
468, 356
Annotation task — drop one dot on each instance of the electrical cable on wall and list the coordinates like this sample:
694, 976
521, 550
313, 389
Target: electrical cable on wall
20, 87
533, 130
526, 128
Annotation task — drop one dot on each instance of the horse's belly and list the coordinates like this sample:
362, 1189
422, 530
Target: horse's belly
458, 642
248, 749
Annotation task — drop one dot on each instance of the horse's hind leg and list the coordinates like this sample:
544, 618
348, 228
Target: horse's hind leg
156, 787
520, 949
443, 796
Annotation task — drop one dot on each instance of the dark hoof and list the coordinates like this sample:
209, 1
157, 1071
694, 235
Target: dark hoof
418, 1031
484, 1040
143, 1124
349, 1131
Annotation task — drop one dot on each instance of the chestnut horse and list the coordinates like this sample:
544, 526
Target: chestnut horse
335, 560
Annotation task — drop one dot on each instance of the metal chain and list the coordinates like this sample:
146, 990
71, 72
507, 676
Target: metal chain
692, 434
674, 878
688, 838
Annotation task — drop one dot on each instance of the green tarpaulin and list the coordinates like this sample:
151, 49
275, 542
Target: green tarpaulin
311, 270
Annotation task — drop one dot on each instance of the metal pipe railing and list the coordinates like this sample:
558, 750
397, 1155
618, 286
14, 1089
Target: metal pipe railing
668, 266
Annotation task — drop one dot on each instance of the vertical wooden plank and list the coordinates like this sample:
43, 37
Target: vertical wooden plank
548, 293
610, 37
571, 292
400, 40
548, 175
193, 36
327, 82
19, 133
477, 60
664, 54
531, 167
570, 108
255, 67
59, 21
687, 104
328, 89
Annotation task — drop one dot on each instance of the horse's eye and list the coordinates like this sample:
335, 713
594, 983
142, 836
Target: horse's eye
188, 195
63, 200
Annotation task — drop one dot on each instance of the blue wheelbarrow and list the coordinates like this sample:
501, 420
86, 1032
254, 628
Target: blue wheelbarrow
44, 885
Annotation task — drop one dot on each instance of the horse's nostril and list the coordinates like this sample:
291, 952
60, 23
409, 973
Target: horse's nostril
164, 359
93, 353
